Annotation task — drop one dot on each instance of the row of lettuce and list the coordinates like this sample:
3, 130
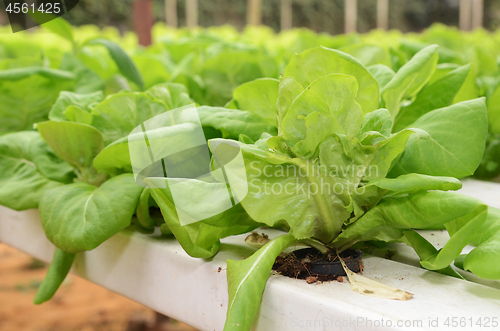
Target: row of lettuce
422, 115
212, 62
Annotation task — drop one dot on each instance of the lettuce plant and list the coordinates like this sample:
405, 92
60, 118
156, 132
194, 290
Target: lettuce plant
336, 175
77, 170
345, 148
477, 49
76, 74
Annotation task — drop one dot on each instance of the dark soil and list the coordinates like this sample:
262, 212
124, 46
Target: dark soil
294, 265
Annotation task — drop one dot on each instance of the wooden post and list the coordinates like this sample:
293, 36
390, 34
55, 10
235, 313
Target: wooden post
286, 14
143, 21
465, 15
383, 14
477, 13
171, 13
254, 14
351, 15
191, 13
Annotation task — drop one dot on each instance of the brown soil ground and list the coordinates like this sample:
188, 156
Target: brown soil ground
78, 305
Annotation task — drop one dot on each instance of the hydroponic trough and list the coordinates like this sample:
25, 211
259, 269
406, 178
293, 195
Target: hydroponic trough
160, 275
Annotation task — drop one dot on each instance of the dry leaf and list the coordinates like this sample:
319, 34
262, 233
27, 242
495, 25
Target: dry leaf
256, 240
370, 287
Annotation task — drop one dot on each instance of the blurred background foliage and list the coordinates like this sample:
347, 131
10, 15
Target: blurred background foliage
319, 15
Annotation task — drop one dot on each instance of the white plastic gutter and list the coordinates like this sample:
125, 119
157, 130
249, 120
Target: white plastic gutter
157, 273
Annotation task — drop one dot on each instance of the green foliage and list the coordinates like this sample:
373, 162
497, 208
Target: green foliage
20, 109
143, 216
481, 260
84, 102
318, 62
117, 115
29, 168
79, 217
229, 69
441, 93
200, 239
231, 123
77, 144
452, 130
410, 79
122, 60
359, 139
259, 97
58, 270
301, 179
246, 282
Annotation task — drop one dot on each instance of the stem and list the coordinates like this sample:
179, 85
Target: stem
328, 228
316, 244
346, 246
78, 174
90, 176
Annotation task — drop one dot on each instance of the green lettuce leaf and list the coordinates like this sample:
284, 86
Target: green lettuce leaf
482, 260
114, 158
143, 216
454, 146
229, 69
490, 164
77, 144
315, 63
441, 93
289, 89
426, 250
369, 54
58, 270
153, 68
258, 97
423, 210
27, 98
332, 96
494, 111
87, 81
173, 95
200, 239
84, 101
29, 168
78, 115
233, 122
246, 281
414, 183
410, 79
120, 113
382, 74
79, 217
122, 60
